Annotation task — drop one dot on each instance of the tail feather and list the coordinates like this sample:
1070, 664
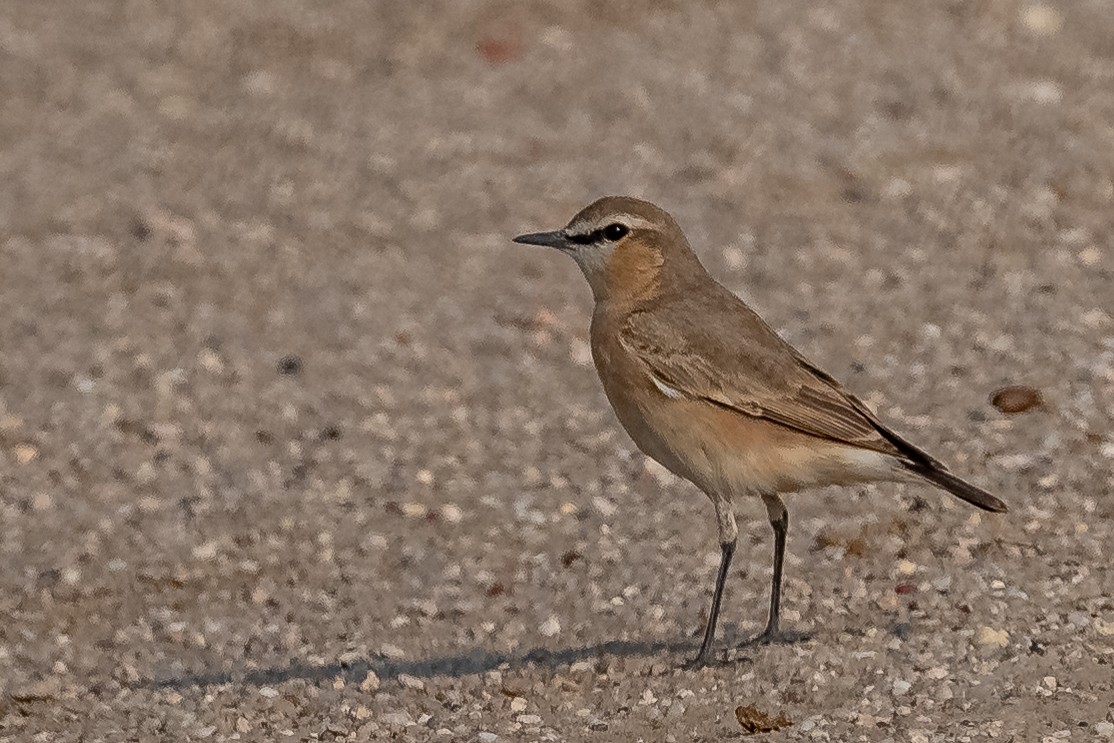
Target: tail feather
958, 487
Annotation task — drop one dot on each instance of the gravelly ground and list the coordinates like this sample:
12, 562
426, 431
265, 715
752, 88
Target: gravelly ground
294, 444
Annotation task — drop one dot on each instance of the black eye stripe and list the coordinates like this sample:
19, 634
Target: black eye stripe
587, 238
595, 236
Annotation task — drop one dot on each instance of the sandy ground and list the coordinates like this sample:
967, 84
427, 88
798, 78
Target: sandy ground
296, 445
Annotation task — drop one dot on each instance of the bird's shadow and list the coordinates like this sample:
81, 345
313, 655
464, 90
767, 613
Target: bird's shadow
475, 661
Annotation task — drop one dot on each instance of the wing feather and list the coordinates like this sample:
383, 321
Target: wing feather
724, 353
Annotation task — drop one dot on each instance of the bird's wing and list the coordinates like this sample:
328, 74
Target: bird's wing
722, 352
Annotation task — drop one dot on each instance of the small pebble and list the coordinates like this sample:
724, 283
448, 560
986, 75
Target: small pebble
414, 510
1104, 628
518, 704
451, 513
529, 720
550, 627
990, 637
25, 453
486, 737
394, 652
370, 682
1016, 399
411, 682
1041, 20
1105, 728
581, 352
400, 718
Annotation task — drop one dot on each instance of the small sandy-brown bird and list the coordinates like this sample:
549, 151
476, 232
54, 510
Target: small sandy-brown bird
710, 391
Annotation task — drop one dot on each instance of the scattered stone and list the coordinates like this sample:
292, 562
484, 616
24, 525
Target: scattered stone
210, 360
937, 673
411, 682
25, 453
370, 682
1043, 92
394, 652
486, 737
268, 692
597, 725
518, 704
754, 721
550, 627
1016, 399
399, 718
604, 506
529, 720
242, 725
414, 510
990, 637
1041, 20
661, 475
451, 513
206, 551
1105, 728
1104, 628
1090, 255
906, 567
901, 686
581, 352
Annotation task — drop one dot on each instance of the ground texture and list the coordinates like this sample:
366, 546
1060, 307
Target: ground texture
296, 445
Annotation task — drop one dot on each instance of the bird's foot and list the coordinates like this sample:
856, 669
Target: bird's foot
703, 659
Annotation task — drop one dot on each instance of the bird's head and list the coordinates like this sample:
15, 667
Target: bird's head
623, 245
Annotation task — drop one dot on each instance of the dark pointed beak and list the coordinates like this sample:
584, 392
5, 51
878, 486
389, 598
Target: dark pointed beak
556, 239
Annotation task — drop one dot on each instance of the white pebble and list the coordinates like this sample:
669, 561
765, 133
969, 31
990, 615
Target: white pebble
550, 627
581, 352
1041, 20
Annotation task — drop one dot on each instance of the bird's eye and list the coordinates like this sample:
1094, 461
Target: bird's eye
615, 232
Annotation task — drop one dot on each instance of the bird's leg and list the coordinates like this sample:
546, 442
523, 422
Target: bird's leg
779, 520
728, 535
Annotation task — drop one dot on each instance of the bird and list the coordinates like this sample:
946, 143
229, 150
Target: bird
710, 391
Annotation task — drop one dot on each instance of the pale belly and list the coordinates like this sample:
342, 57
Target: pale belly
725, 452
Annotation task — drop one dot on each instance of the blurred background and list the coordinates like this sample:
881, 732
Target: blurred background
294, 443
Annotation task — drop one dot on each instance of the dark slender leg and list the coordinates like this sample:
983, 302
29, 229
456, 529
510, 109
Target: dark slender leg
781, 529
727, 549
